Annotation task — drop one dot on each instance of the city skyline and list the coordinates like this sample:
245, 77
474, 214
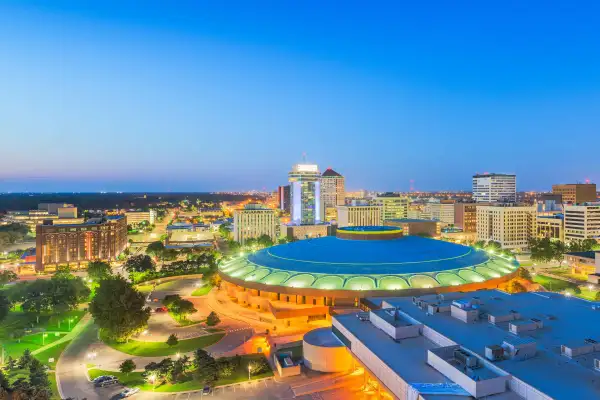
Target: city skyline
114, 97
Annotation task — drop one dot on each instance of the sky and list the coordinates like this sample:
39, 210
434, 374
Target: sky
208, 96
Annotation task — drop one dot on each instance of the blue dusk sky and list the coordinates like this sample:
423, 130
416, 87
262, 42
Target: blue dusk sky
204, 96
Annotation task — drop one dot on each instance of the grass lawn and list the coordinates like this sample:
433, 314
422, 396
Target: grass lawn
135, 379
145, 289
202, 291
18, 320
32, 342
154, 349
552, 284
185, 322
52, 352
566, 272
588, 294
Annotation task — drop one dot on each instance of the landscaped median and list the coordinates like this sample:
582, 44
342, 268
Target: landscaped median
158, 349
136, 379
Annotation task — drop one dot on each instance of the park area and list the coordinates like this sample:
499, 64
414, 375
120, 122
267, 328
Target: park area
157, 349
238, 374
586, 292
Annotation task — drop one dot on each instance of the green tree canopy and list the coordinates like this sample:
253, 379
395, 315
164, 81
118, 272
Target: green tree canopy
99, 270
7, 277
172, 340
127, 367
155, 249
118, 309
5, 305
212, 319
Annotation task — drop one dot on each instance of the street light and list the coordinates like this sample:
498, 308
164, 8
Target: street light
44, 338
249, 369
70, 320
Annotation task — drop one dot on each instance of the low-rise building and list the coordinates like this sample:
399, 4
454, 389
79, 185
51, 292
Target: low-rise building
487, 344
135, 217
359, 215
300, 232
443, 211
550, 226
417, 227
582, 262
512, 225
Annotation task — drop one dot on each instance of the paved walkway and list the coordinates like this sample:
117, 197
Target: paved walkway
77, 329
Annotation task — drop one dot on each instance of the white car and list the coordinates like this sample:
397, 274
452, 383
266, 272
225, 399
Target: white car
127, 392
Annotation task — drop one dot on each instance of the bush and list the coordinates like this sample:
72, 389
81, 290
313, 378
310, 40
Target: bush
212, 319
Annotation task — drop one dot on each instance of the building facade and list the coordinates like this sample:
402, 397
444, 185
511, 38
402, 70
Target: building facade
392, 206
100, 239
333, 193
359, 215
254, 221
134, 218
576, 193
582, 221
465, 216
550, 226
305, 192
283, 198
417, 227
443, 211
494, 188
512, 225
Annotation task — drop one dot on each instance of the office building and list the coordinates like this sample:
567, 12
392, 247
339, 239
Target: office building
31, 218
333, 193
582, 221
254, 221
551, 226
576, 193
512, 225
494, 188
53, 208
134, 218
100, 239
443, 211
283, 198
485, 345
417, 227
465, 217
550, 203
393, 206
359, 215
305, 190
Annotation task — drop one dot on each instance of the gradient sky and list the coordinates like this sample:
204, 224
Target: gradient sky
203, 96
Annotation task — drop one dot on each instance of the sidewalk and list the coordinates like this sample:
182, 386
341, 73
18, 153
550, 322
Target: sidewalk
83, 322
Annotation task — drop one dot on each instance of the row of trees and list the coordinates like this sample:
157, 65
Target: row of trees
546, 250
492, 246
202, 367
143, 268
35, 385
12, 233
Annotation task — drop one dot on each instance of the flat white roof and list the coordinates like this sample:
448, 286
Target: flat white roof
566, 320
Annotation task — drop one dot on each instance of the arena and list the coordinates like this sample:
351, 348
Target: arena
359, 262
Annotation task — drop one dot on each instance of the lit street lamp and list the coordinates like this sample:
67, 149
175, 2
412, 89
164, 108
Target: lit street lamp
44, 338
249, 369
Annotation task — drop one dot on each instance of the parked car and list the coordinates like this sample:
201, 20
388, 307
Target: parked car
206, 390
103, 378
107, 382
160, 309
127, 392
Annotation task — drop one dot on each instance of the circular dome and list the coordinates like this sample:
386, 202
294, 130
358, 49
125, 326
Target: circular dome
335, 263
324, 352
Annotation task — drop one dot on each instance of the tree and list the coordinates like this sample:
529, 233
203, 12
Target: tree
258, 366
38, 377
118, 309
576, 290
7, 277
36, 298
169, 255
170, 299
172, 340
127, 367
11, 363
155, 249
225, 230
558, 251
212, 319
597, 296
524, 274
5, 305
99, 270
215, 280
516, 287
541, 250
225, 367
184, 308
139, 264
67, 292
25, 359
265, 241
206, 367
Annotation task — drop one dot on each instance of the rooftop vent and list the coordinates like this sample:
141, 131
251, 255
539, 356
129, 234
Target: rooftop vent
494, 352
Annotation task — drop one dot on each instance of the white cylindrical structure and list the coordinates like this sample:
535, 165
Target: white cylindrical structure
324, 352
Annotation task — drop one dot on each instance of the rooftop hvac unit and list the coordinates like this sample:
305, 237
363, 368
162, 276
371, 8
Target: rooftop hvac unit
597, 364
465, 358
494, 352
